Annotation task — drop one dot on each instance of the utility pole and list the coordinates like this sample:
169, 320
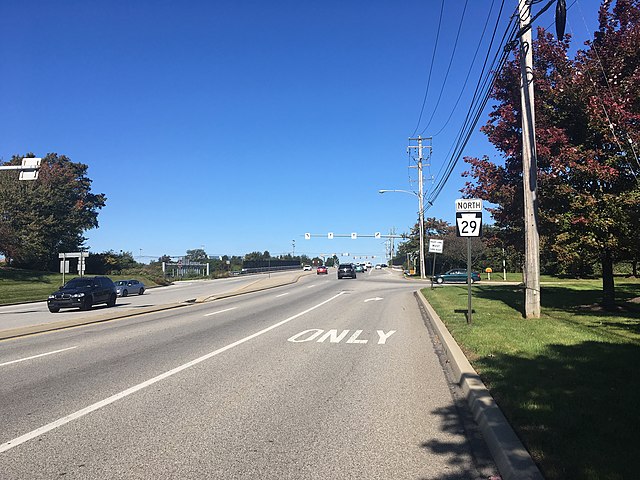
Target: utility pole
420, 148
529, 167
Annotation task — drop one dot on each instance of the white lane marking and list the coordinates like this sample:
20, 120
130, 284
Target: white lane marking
311, 286
282, 294
374, 299
384, 336
220, 311
125, 393
36, 356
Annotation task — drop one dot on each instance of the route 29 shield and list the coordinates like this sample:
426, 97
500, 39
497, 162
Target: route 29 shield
468, 224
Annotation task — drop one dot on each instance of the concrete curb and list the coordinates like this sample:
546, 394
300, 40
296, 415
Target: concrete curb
512, 459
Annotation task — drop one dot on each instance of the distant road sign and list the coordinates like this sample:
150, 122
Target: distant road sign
469, 205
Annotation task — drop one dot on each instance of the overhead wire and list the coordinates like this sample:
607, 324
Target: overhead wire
446, 75
473, 61
435, 48
483, 73
480, 99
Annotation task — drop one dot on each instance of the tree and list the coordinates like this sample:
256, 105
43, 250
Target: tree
197, 255
39, 219
588, 190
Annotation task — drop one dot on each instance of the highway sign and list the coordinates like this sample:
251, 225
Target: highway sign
469, 224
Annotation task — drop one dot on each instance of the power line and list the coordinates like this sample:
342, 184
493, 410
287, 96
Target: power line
446, 76
473, 61
435, 47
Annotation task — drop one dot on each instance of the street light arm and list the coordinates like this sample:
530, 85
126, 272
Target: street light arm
400, 191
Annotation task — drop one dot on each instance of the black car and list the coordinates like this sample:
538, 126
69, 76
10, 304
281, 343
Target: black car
346, 270
83, 293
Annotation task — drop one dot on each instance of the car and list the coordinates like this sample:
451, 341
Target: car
346, 270
126, 287
306, 268
322, 269
83, 293
378, 267
456, 276
359, 268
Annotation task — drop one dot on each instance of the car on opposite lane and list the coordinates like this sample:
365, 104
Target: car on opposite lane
83, 293
127, 287
456, 275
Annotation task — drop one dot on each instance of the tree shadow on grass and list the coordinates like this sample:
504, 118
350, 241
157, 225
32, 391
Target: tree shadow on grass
583, 302
575, 407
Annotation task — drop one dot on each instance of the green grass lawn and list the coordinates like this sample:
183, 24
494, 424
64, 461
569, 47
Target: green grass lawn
18, 286
568, 382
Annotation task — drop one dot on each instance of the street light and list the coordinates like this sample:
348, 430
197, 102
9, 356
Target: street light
421, 214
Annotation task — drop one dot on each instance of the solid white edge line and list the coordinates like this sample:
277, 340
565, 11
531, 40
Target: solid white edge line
282, 294
220, 311
37, 356
103, 403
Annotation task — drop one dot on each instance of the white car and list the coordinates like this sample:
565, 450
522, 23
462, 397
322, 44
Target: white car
126, 287
306, 268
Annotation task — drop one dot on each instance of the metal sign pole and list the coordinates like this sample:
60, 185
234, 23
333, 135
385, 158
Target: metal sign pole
469, 280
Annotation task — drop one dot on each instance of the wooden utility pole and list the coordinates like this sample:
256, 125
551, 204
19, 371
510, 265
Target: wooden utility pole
420, 196
529, 167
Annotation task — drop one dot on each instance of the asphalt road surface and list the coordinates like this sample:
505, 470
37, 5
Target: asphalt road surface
36, 313
322, 379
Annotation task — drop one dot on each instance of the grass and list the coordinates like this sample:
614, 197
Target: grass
568, 382
17, 286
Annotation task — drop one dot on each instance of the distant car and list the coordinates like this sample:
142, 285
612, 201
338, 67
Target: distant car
378, 267
306, 268
322, 270
83, 293
346, 270
359, 268
456, 276
126, 287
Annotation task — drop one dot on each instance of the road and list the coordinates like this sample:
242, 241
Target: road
321, 379
14, 316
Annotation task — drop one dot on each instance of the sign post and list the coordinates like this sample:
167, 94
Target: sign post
469, 224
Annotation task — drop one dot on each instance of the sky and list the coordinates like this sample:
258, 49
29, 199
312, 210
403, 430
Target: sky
238, 126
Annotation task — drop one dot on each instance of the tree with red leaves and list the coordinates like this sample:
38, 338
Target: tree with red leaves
587, 118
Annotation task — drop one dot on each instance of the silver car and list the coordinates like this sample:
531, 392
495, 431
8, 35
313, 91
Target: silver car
126, 287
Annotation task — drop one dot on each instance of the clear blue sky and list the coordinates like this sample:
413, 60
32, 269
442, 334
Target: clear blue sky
238, 125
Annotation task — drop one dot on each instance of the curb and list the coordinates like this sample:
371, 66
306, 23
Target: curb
512, 459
